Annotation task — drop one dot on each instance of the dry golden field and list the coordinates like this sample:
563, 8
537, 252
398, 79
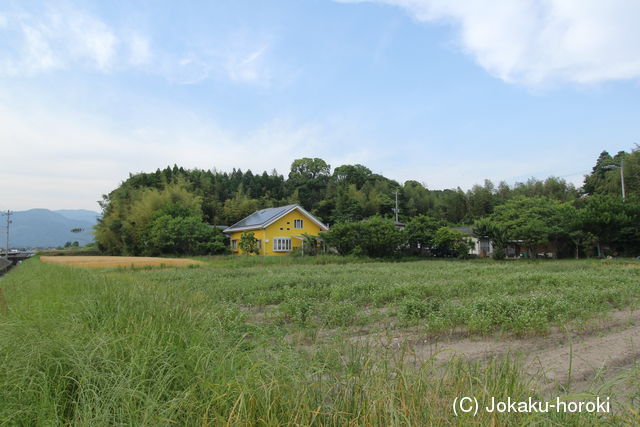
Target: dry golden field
117, 261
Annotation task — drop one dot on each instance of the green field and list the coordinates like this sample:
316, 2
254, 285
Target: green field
270, 341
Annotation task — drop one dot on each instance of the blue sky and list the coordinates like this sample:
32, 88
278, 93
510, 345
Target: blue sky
446, 93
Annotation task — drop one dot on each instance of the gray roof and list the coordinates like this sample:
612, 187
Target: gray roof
258, 218
465, 230
264, 217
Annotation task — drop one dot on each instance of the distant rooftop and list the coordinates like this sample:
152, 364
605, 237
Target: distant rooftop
465, 230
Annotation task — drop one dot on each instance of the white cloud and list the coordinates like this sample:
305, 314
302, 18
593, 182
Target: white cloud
62, 157
241, 64
38, 55
248, 67
56, 39
535, 42
139, 49
84, 36
66, 38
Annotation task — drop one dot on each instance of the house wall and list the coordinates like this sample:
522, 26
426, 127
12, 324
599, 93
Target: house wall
520, 250
477, 248
281, 228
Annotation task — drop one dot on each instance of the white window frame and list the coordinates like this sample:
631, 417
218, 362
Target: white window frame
281, 244
234, 244
296, 222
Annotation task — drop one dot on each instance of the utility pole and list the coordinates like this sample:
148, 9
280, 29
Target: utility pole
622, 176
621, 167
8, 214
396, 210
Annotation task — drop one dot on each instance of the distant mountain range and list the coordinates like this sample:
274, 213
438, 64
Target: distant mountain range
43, 228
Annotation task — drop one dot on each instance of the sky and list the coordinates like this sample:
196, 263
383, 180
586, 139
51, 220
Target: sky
445, 93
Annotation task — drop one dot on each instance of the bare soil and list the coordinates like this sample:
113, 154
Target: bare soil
585, 358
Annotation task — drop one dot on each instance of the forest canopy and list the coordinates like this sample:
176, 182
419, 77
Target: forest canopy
137, 214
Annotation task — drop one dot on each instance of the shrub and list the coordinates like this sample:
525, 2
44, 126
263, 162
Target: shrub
420, 232
413, 308
375, 237
341, 314
299, 310
249, 244
182, 235
499, 254
452, 241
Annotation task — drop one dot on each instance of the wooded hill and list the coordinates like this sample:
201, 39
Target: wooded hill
345, 194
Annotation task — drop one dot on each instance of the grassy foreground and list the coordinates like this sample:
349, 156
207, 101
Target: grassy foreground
212, 345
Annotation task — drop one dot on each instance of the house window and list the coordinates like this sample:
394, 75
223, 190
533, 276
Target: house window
281, 244
297, 223
234, 245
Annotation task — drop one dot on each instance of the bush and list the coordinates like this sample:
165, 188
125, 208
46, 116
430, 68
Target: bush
452, 241
249, 244
182, 235
298, 310
375, 237
420, 232
498, 254
412, 308
342, 314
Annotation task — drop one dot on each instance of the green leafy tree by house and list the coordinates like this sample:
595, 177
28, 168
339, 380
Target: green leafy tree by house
420, 232
532, 220
249, 244
485, 228
615, 223
182, 235
452, 241
375, 237
312, 244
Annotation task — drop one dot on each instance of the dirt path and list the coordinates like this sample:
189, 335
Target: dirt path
578, 360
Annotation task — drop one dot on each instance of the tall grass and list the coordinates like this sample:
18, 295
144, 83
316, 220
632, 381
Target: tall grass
479, 296
178, 346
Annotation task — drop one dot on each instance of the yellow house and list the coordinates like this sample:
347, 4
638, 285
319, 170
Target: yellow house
278, 230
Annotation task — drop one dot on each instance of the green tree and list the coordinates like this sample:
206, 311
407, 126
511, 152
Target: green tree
614, 223
450, 205
533, 220
122, 228
249, 244
310, 178
351, 174
344, 237
374, 237
311, 244
182, 236
481, 200
452, 241
239, 206
485, 228
308, 168
380, 237
416, 199
420, 232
